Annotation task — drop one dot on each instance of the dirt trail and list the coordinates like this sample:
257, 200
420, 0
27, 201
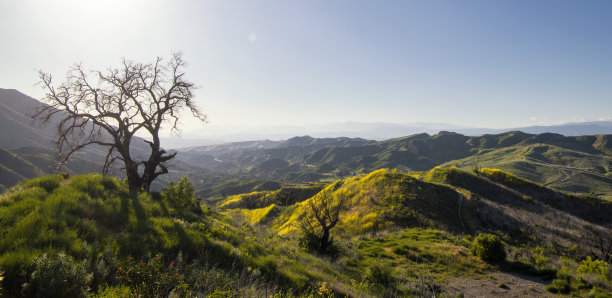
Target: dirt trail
514, 285
565, 175
568, 168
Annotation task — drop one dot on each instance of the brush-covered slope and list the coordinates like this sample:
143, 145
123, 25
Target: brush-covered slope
91, 234
527, 211
30, 162
378, 201
98, 225
390, 216
382, 200
446, 198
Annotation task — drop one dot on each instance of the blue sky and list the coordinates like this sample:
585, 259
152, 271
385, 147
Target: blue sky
470, 63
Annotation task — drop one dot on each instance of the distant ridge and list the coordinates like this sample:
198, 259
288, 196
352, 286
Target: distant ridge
547, 158
374, 131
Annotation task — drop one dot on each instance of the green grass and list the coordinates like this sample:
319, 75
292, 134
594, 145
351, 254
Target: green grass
399, 234
86, 215
416, 249
381, 200
556, 167
415, 256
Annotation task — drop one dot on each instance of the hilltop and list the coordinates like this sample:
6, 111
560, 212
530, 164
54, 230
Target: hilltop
407, 234
542, 227
547, 158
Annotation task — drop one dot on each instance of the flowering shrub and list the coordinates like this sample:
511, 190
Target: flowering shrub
152, 278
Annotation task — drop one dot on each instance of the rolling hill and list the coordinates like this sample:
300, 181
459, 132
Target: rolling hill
578, 164
398, 235
574, 164
383, 209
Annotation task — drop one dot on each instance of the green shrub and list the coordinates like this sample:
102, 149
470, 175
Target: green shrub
598, 293
268, 264
57, 276
540, 261
596, 267
380, 272
181, 194
559, 286
114, 292
490, 248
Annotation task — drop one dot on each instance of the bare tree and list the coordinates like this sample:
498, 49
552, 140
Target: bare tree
322, 215
117, 103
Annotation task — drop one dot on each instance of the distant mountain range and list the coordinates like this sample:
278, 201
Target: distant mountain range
372, 131
570, 163
575, 164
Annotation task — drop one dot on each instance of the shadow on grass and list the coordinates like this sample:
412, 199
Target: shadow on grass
528, 271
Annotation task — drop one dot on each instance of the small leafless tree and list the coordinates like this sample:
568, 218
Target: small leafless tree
110, 108
323, 214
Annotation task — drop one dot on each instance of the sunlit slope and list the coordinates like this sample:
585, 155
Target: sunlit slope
445, 198
576, 164
90, 216
556, 167
381, 200
98, 222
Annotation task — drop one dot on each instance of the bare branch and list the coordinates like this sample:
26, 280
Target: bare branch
109, 112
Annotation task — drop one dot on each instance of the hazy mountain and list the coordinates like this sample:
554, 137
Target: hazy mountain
546, 158
17, 129
580, 164
566, 129
374, 131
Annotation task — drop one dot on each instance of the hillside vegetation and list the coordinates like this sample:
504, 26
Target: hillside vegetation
574, 164
93, 224
545, 229
399, 234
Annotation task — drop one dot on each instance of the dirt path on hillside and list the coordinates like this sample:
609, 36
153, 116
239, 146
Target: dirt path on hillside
565, 175
516, 285
568, 168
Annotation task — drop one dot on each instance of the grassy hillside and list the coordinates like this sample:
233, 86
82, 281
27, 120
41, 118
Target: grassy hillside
100, 239
382, 200
398, 235
99, 227
575, 164
553, 166
543, 228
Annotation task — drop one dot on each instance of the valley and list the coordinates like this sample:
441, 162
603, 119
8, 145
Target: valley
400, 217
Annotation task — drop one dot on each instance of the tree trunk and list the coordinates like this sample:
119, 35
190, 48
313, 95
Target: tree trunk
133, 179
148, 176
325, 240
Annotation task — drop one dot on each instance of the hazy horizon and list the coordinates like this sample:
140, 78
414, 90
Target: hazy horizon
273, 64
212, 135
